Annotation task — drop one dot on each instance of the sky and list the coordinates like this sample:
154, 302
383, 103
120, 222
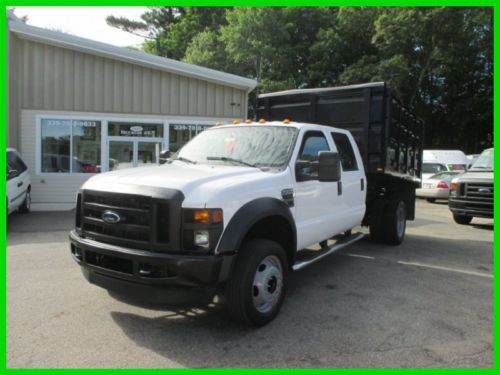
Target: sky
87, 22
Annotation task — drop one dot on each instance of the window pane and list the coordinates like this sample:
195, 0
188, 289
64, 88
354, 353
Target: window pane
15, 162
312, 145
134, 129
180, 134
86, 146
345, 151
56, 136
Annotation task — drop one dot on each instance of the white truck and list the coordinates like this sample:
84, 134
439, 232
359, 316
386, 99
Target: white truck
232, 213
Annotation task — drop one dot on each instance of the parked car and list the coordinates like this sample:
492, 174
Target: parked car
471, 194
18, 183
436, 161
437, 186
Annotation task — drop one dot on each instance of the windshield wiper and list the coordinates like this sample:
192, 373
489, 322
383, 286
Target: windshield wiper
224, 158
184, 160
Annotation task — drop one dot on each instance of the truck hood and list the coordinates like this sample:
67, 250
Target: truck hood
199, 183
476, 176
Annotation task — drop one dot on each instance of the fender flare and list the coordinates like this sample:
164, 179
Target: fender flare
247, 216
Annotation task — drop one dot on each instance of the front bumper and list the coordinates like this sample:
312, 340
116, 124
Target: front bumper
470, 208
150, 277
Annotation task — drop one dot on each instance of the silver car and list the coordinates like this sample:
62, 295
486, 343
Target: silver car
437, 186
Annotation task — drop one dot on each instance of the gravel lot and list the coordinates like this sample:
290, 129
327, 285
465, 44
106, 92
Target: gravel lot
426, 303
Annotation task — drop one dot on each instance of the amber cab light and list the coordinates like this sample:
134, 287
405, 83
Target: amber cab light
248, 121
286, 121
453, 186
262, 121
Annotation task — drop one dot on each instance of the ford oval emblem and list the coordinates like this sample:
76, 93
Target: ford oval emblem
110, 217
484, 190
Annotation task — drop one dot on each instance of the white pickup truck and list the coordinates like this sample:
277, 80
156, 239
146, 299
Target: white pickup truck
232, 213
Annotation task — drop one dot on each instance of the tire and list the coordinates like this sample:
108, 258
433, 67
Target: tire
431, 200
462, 219
26, 206
395, 222
256, 291
376, 221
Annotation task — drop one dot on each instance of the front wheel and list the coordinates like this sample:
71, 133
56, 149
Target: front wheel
462, 219
256, 291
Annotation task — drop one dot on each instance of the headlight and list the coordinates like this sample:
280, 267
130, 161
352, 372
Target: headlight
201, 228
202, 238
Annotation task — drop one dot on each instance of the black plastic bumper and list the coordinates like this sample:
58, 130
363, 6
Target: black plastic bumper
150, 277
470, 208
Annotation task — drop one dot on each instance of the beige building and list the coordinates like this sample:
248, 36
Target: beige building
79, 107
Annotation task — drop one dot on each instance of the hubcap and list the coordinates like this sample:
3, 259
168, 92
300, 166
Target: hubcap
400, 219
267, 284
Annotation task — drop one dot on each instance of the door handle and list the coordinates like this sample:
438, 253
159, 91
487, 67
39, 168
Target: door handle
339, 188
362, 184
20, 184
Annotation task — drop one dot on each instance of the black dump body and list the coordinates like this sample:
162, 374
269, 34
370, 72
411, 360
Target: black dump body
389, 136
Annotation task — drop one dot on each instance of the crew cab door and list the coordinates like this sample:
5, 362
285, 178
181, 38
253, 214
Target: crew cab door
353, 178
317, 204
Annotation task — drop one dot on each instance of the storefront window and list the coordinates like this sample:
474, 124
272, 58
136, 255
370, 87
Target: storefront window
180, 134
131, 129
59, 137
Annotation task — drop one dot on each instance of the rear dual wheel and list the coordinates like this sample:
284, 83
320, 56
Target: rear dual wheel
388, 221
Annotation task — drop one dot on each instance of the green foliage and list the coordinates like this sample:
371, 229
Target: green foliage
438, 60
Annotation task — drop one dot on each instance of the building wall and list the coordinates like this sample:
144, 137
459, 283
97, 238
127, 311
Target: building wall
46, 77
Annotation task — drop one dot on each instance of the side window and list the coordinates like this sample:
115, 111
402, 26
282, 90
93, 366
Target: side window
15, 162
312, 144
344, 148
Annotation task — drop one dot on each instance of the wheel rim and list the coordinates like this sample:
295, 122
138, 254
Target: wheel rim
400, 219
267, 284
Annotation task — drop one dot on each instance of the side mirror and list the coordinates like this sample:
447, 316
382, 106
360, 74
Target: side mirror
12, 173
329, 166
164, 155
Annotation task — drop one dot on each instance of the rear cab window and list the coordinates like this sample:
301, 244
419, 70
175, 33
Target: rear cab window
346, 152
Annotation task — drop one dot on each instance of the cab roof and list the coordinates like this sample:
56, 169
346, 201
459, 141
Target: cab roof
289, 124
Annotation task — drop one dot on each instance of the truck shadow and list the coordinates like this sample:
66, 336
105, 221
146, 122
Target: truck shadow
341, 308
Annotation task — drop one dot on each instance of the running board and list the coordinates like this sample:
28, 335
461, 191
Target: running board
332, 249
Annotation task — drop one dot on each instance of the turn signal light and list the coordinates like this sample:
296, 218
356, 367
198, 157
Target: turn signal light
453, 186
208, 216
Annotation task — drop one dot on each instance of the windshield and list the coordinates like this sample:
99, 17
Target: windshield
262, 146
433, 168
484, 161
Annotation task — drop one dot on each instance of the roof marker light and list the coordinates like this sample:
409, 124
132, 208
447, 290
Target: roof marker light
248, 121
262, 121
236, 122
286, 121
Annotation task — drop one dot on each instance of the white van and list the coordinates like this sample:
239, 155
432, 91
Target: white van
435, 161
